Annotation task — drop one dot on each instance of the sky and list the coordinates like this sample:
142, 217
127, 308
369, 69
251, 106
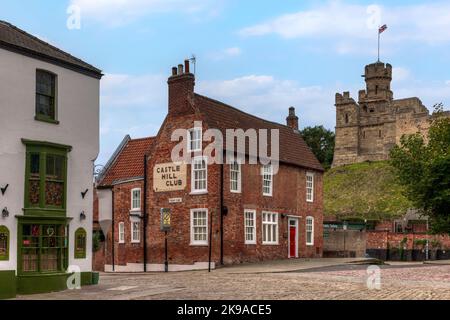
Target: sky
258, 55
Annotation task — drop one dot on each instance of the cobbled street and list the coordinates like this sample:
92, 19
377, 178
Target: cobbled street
313, 282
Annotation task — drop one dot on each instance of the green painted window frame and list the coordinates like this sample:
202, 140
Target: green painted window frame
44, 150
52, 96
5, 231
64, 258
80, 234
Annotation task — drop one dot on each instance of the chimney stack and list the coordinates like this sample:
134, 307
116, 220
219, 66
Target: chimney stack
292, 119
181, 90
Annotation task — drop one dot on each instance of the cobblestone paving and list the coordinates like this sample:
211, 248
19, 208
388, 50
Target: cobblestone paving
413, 282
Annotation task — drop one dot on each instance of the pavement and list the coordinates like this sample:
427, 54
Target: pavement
279, 266
303, 279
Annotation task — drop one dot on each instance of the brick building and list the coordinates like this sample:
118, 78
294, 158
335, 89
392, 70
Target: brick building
123, 178
219, 213
366, 130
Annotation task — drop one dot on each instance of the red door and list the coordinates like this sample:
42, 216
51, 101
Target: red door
292, 241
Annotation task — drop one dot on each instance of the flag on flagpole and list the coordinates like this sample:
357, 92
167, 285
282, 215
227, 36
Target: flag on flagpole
382, 29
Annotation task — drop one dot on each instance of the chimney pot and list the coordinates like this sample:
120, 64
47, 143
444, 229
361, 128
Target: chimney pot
180, 69
174, 71
186, 66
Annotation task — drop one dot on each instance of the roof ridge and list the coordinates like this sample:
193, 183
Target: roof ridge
143, 138
87, 65
243, 112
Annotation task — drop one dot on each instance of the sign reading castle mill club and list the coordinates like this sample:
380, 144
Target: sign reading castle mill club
169, 177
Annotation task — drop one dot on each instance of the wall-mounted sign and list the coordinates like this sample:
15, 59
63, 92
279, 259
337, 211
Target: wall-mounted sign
169, 177
166, 219
175, 200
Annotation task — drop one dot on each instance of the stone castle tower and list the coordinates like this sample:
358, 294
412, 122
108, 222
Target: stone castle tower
366, 130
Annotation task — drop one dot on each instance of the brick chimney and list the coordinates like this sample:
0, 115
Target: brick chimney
292, 119
181, 89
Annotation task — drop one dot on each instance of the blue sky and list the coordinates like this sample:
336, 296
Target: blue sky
261, 56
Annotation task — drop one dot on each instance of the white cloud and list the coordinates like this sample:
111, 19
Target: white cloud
400, 74
447, 82
127, 91
337, 20
119, 12
270, 98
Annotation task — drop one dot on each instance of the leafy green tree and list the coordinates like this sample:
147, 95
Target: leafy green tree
321, 143
423, 167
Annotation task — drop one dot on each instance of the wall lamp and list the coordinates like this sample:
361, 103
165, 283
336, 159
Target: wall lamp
82, 216
5, 212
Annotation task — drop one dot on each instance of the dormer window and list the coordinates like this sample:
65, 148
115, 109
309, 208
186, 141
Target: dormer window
45, 96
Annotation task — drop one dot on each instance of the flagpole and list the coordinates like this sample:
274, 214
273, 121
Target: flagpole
379, 45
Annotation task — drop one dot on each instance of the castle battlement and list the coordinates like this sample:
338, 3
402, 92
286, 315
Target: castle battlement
344, 98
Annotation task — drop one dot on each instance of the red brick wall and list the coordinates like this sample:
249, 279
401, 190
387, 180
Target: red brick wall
380, 239
127, 252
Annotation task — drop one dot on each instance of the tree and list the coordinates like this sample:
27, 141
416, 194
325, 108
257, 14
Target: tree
423, 167
321, 143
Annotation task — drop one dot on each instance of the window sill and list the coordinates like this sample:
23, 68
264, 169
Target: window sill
233, 191
198, 193
310, 244
267, 195
271, 244
134, 242
198, 244
46, 120
250, 243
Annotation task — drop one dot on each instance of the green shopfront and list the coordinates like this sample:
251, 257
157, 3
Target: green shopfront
42, 239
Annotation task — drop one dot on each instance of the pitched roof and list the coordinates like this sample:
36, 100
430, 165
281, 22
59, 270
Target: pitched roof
19, 41
293, 149
127, 162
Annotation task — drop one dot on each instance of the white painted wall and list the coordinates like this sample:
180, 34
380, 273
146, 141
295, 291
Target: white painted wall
78, 113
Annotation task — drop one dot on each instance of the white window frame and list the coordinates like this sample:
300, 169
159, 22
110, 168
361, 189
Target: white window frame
309, 223
193, 171
267, 175
239, 177
133, 208
273, 221
121, 232
198, 141
138, 232
253, 213
310, 187
199, 242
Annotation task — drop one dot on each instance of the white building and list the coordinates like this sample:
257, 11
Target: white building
49, 139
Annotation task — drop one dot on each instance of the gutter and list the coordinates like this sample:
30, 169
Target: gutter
112, 230
145, 217
221, 210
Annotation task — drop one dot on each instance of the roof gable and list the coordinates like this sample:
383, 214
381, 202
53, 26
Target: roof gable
127, 163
